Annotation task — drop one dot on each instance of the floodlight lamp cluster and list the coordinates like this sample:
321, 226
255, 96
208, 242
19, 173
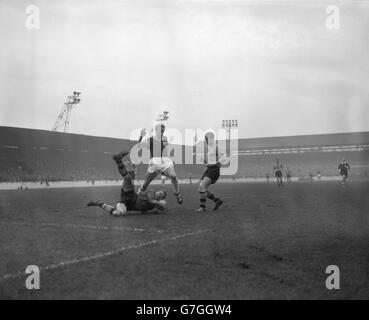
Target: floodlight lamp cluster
229, 124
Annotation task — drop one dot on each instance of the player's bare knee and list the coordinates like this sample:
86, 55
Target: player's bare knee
201, 189
143, 186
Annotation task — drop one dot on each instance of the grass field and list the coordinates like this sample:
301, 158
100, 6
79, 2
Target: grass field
266, 243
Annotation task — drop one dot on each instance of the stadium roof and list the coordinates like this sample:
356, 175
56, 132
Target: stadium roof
12, 136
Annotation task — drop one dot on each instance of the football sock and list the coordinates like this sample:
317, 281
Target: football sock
203, 199
211, 196
108, 208
175, 185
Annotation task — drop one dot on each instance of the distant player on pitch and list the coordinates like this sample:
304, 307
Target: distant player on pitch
278, 173
343, 168
267, 177
213, 162
159, 161
289, 175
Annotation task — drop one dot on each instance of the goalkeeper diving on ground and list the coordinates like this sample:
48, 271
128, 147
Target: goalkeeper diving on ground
130, 201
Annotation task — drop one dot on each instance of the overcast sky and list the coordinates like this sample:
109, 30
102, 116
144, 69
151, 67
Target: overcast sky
274, 66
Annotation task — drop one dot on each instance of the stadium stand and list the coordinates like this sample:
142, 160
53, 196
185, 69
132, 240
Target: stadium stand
38, 155
305, 155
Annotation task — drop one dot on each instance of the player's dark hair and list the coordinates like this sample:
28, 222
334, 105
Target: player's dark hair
209, 134
161, 126
163, 191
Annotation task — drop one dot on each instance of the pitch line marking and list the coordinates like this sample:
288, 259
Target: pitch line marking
107, 253
82, 226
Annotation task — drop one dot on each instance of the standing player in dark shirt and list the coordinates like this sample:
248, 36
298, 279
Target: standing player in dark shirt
289, 175
343, 168
211, 174
278, 173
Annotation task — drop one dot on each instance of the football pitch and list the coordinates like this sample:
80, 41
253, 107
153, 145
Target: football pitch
264, 243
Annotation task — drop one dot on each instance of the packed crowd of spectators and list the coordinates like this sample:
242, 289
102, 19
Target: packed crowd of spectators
47, 166
44, 166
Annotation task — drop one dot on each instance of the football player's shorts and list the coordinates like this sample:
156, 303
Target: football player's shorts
344, 174
212, 172
278, 174
129, 198
158, 164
